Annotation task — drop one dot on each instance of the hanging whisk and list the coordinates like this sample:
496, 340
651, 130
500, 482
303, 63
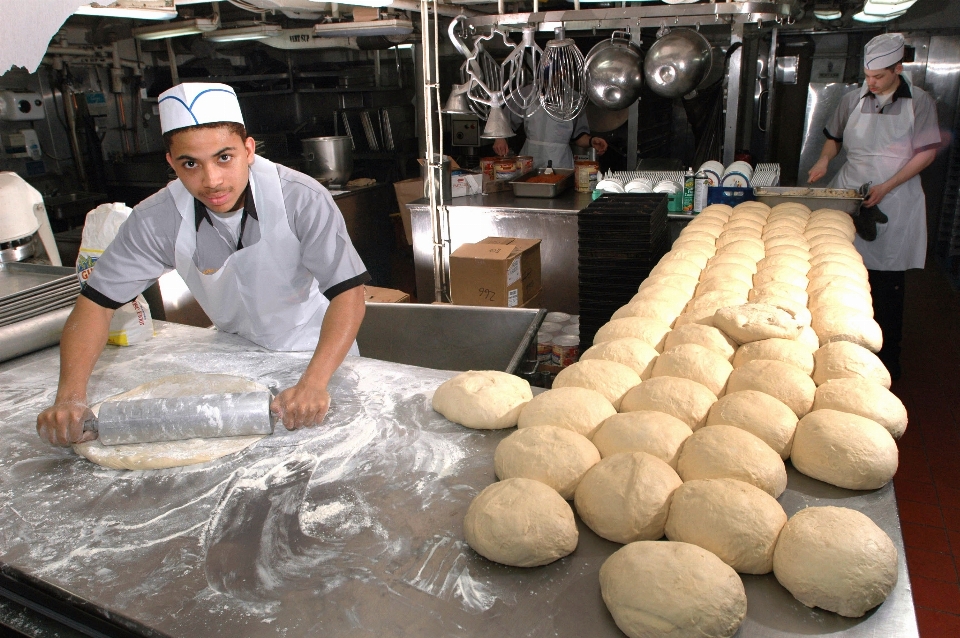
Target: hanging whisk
519, 71
483, 68
560, 82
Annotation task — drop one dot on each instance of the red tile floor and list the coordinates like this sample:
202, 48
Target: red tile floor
928, 480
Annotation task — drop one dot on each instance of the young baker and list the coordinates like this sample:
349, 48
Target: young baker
263, 249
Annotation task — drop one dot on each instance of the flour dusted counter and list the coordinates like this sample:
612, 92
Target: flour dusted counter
353, 528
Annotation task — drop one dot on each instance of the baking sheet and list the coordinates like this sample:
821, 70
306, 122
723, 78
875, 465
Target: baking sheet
17, 280
36, 312
38, 302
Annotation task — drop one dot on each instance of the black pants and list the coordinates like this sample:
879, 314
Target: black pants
886, 287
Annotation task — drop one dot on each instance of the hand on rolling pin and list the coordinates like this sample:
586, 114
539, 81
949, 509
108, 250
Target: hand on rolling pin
500, 147
62, 423
301, 406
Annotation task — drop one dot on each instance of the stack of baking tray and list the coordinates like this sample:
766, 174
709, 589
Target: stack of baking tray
30, 290
621, 237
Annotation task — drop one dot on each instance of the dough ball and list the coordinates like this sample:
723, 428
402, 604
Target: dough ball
725, 451
809, 338
785, 248
836, 323
706, 248
677, 267
843, 359
697, 257
780, 289
837, 559
687, 400
631, 352
843, 258
856, 300
684, 283
694, 234
736, 521
520, 522
818, 284
741, 234
736, 259
706, 336
741, 288
786, 350
697, 363
782, 274
707, 304
728, 271
759, 414
782, 381
837, 269
798, 311
793, 262
662, 311
483, 400
797, 241
844, 449
748, 248
609, 378
866, 398
668, 298
554, 456
718, 210
754, 322
845, 248
625, 497
655, 433
578, 409
645, 329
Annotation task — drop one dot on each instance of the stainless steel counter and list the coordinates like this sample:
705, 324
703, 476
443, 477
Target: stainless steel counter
352, 528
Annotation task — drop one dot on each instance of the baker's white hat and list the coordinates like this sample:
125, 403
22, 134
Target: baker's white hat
193, 103
883, 51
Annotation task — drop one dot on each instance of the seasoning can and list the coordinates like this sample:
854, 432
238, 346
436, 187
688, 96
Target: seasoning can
701, 186
566, 350
585, 175
526, 163
487, 167
689, 183
506, 168
544, 347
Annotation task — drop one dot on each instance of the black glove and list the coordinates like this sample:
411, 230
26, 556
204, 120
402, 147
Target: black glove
866, 222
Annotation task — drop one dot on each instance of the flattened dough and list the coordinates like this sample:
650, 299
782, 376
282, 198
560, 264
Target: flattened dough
165, 454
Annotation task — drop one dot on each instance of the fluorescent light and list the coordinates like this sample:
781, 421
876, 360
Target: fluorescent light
370, 27
883, 9
236, 34
828, 15
866, 17
139, 11
363, 3
192, 26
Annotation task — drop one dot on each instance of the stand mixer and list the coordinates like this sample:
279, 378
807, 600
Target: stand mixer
23, 217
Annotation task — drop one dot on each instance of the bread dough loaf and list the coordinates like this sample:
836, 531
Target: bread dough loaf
786, 350
837, 559
631, 352
759, 414
792, 262
857, 300
697, 363
736, 521
836, 323
655, 589
808, 337
695, 256
844, 449
780, 289
520, 522
770, 297
580, 410
735, 259
554, 456
483, 400
741, 288
780, 380
663, 311
677, 267
648, 330
687, 400
609, 378
843, 359
866, 398
736, 271
655, 433
165, 454
625, 497
754, 322
782, 274
786, 248
748, 248
684, 283
706, 336
724, 451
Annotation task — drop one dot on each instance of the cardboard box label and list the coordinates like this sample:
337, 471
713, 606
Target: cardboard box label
513, 298
513, 272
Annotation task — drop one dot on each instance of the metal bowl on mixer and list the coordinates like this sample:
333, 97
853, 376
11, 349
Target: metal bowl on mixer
614, 72
677, 63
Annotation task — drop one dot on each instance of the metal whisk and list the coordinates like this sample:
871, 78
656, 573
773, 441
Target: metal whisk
485, 69
519, 71
560, 78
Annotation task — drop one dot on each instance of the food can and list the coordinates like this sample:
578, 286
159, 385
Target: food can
526, 163
550, 326
557, 317
506, 168
585, 175
566, 350
545, 347
487, 167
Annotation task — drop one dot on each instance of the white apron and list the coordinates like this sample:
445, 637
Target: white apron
540, 128
262, 292
878, 146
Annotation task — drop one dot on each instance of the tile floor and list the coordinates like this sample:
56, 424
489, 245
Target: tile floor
928, 480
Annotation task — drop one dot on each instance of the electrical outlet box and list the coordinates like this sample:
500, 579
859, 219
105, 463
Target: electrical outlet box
17, 106
465, 130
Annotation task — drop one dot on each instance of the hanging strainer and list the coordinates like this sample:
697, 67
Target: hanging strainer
519, 70
560, 78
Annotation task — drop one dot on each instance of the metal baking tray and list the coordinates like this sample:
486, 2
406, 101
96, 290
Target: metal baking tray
523, 188
17, 280
847, 200
36, 312
38, 302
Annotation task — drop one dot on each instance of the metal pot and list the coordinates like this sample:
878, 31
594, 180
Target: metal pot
614, 72
329, 158
677, 63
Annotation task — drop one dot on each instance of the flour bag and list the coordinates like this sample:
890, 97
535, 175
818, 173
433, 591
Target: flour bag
132, 322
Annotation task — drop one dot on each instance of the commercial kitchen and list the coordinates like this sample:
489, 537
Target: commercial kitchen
525, 183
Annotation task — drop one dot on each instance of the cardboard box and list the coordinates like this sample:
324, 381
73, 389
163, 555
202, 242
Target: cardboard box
384, 295
499, 272
407, 191
464, 182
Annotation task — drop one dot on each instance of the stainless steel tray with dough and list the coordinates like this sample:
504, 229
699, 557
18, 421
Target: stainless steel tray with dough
524, 186
844, 199
350, 528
